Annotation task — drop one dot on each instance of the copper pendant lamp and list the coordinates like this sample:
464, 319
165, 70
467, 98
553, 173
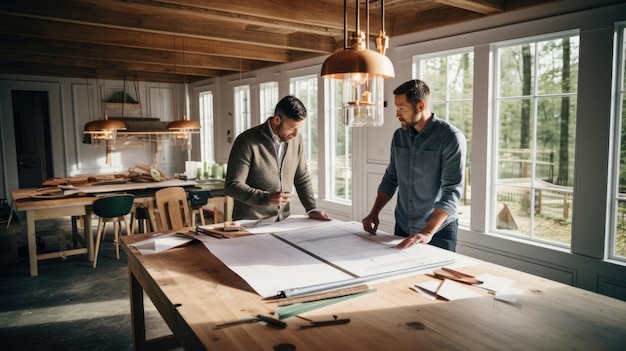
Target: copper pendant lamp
102, 130
362, 71
183, 128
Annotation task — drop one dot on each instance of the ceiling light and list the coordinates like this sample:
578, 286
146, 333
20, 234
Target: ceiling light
104, 130
183, 128
362, 71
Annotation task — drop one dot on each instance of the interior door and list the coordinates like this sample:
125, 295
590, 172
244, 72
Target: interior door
31, 119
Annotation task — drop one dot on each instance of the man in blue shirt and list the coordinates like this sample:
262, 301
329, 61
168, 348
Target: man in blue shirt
427, 168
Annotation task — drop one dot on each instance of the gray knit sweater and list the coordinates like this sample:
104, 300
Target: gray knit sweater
253, 173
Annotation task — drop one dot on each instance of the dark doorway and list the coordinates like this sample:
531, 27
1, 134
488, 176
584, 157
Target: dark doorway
31, 119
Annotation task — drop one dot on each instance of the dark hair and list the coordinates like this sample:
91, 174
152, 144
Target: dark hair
415, 90
290, 107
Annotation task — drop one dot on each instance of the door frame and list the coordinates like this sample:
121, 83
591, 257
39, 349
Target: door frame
9, 158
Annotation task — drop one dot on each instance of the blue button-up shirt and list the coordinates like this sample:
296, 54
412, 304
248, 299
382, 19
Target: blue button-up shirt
427, 169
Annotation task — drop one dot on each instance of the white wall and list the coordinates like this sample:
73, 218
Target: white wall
74, 102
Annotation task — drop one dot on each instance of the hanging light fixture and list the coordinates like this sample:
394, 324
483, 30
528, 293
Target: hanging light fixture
103, 130
362, 71
183, 128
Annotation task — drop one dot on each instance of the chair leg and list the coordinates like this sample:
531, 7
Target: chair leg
100, 234
201, 213
132, 221
116, 229
129, 225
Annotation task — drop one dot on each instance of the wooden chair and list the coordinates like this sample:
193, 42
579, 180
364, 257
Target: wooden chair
112, 209
173, 208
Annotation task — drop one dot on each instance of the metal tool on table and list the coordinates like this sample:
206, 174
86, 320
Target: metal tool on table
315, 324
252, 319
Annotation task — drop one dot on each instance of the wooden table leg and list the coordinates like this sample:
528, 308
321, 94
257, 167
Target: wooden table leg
75, 220
137, 313
89, 234
32, 242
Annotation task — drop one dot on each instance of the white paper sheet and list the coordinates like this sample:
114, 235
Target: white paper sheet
160, 243
509, 294
293, 222
271, 263
452, 290
504, 291
428, 289
347, 245
494, 283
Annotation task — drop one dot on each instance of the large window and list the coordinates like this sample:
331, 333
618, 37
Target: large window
305, 89
535, 111
242, 108
268, 98
618, 247
339, 145
450, 77
205, 104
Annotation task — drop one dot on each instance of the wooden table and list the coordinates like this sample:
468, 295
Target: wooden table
194, 291
39, 209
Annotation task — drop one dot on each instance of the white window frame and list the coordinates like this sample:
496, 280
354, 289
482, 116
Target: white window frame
332, 95
619, 96
495, 87
206, 114
242, 108
417, 73
268, 98
307, 130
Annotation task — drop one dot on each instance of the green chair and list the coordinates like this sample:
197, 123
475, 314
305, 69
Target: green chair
113, 209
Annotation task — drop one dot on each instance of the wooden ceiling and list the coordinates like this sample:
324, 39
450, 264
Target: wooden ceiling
190, 40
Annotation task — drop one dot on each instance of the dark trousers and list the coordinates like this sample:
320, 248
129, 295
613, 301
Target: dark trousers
445, 238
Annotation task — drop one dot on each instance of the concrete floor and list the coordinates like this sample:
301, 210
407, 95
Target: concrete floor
69, 305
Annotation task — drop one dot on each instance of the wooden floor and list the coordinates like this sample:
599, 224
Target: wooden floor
70, 305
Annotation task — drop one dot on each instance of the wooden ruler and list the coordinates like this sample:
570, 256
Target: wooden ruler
321, 295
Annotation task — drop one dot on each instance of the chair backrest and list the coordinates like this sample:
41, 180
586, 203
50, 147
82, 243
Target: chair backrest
198, 197
173, 208
113, 205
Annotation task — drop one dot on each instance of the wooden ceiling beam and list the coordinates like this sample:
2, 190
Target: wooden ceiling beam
142, 18
188, 40
485, 7
87, 52
296, 16
87, 34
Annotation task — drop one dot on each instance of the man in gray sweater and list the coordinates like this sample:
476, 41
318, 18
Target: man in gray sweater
266, 162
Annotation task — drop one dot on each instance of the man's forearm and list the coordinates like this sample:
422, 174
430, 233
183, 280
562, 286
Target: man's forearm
381, 200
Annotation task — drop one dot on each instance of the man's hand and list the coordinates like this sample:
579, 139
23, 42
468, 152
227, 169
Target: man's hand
370, 223
414, 239
321, 215
278, 198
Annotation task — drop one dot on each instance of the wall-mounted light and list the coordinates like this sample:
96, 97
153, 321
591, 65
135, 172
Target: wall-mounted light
362, 71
